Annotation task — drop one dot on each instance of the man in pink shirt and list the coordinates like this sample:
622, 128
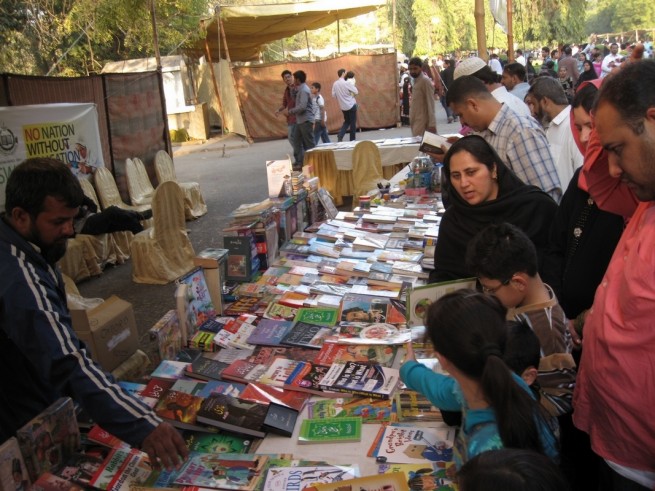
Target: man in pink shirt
615, 392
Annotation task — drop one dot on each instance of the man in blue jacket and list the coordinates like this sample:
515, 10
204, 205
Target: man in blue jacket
41, 358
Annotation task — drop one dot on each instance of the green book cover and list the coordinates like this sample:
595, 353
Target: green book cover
328, 430
321, 316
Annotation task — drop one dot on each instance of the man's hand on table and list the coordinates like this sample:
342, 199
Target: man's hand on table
165, 447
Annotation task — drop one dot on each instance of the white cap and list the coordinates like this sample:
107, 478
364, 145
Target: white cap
468, 66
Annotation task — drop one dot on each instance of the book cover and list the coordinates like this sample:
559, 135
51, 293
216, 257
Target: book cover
306, 377
278, 372
328, 203
197, 305
384, 355
243, 305
97, 435
264, 355
236, 333
267, 394
269, 332
210, 257
13, 473
437, 476
80, 468
413, 444
420, 298
395, 481
156, 388
369, 409
233, 414
364, 333
277, 311
109, 469
188, 386
179, 408
300, 477
431, 142
362, 378
167, 334
243, 371
307, 335
205, 369
277, 173
239, 472
203, 340
170, 369
221, 387
330, 430
293, 299
412, 406
369, 309
49, 438
212, 442
49, 482
280, 420
321, 316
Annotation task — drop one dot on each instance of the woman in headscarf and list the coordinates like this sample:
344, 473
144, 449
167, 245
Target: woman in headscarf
587, 73
483, 190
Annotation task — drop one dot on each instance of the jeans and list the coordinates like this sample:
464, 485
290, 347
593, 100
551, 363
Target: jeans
349, 121
320, 133
298, 152
449, 112
304, 138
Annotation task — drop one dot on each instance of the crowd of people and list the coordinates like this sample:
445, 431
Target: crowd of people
551, 362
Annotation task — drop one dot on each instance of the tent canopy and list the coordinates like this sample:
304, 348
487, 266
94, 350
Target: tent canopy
249, 27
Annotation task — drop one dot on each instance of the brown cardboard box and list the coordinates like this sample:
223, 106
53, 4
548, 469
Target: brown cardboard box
108, 330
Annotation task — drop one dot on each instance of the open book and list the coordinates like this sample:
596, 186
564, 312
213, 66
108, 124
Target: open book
432, 143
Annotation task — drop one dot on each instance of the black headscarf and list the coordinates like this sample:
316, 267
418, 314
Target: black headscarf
520, 204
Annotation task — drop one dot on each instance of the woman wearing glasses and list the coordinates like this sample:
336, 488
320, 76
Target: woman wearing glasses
483, 190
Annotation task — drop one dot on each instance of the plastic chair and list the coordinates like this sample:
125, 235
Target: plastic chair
138, 183
194, 203
163, 253
367, 169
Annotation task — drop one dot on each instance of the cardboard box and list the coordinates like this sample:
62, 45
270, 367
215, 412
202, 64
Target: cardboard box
108, 330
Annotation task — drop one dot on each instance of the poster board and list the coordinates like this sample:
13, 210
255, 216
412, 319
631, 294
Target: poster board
68, 132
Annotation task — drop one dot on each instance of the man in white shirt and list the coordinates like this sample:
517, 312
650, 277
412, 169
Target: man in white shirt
344, 92
609, 61
477, 68
494, 64
552, 109
519, 57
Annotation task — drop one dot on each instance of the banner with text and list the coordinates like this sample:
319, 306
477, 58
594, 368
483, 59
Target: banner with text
68, 132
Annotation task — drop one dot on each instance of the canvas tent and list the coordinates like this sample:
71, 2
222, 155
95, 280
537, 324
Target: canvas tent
249, 93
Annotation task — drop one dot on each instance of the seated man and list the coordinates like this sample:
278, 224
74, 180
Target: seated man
112, 219
505, 261
37, 340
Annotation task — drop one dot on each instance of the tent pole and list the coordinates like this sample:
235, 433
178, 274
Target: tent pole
480, 30
155, 33
339, 36
215, 83
234, 82
393, 23
309, 53
510, 33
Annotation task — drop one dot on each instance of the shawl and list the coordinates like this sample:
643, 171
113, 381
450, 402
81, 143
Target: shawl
520, 204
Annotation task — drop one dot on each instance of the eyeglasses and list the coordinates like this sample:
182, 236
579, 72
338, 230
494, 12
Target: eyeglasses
494, 289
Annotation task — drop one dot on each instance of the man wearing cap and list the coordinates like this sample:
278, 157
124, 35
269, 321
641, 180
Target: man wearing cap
421, 110
477, 68
520, 141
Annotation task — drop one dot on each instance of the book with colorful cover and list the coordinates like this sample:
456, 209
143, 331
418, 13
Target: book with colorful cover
179, 409
379, 333
402, 444
269, 332
369, 309
97, 435
80, 468
381, 482
278, 372
244, 371
156, 388
170, 369
236, 333
385, 355
413, 406
420, 298
168, 335
306, 377
239, 472
267, 394
120, 468
307, 335
264, 355
243, 305
212, 442
277, 311
322, 316
330, 430
365, 379
203, 340
369, 409
49, 438
436, 476
298, 478
13, 473
50, 482
233, 414
292, 299
197, 306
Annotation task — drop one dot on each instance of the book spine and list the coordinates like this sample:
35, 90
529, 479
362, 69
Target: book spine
357, 392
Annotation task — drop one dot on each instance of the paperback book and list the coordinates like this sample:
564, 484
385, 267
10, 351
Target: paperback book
269, 332
298, 478
362, 379
307, 335
395, 481
179, 409
213, 442
369, 409
413, 444
306, 377
267, 394
264, 355
233, 414
194, 304
205, 369
244, 371
381, 333
369, 309
384, 355
239, 472
420, 298
278, 372
321, 316
330, 430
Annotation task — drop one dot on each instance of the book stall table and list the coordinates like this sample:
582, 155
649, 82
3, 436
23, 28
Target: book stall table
332, 162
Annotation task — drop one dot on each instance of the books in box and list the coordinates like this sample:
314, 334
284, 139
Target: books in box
361, 378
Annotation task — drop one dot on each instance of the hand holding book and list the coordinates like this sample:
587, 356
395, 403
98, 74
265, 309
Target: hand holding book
165, 447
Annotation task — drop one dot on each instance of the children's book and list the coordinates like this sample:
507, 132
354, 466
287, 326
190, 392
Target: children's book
362, 378
321, 316
307, 335
50, 438
420, 298
330, 430
381, 354
437, 476
381, 482
298, 478
369, 309
239, 472
413, 444
269, 332
267, 394
179, 409
212, 442
233, 414
369, 409
13, 473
